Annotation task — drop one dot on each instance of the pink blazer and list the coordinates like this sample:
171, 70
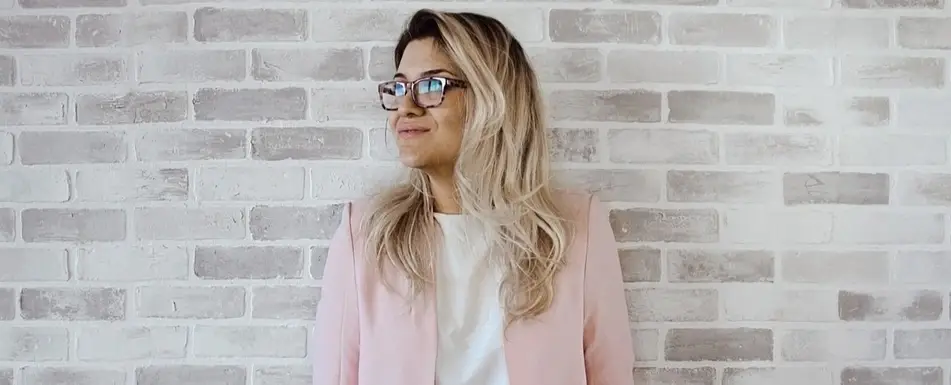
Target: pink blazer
366, 335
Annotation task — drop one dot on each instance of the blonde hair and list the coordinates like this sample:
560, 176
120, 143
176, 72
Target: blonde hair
502, 172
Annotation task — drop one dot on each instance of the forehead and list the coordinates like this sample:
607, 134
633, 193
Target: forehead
423, 56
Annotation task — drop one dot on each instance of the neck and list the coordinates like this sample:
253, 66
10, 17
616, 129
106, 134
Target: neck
444, 192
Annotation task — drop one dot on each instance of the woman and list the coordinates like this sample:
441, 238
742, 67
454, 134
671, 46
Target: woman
475, 271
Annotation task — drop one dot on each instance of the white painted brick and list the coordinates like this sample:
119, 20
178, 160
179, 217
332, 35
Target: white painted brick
35, 108
161, 223
779, 70
191, 66
888, 227
34, 185
132, 185
897, 150
114, 343
33, 264
765, 226
221, 302
6, 148
248, 184
132, 263
765, 303
73, 70
250, 341
33, 344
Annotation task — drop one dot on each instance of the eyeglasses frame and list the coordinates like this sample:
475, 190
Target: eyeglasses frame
448, 83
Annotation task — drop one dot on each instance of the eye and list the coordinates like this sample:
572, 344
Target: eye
430, 85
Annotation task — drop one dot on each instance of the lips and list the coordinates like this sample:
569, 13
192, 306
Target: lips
412, 130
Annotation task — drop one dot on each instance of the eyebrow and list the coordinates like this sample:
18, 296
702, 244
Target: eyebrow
426, 73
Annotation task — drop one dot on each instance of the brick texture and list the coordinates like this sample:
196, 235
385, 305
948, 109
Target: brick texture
777, 172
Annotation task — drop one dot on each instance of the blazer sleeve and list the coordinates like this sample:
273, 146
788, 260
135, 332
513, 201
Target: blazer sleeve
608, 352
336, 339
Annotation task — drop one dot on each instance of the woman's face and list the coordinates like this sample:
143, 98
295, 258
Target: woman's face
427, 138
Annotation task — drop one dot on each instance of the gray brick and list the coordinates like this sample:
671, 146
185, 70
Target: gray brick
73, 225
922, 267
892, 72
34, 31
891, 306
131, 29
574, 145
888, 227
263, 262
835, 32
778, 376
8, 304
797, 4
809, 109
7, 224
665, 146
283, 375
71, 3
30, 264
618, 105
723, 30
326, 64
21, 109
642, 264
924, 32
617, 185
190, 302
34, 185
671, 305
8, 70
358, 25
73, 304
924, 188
250, 25
572, 65
66, 147
285, 302
6, 148
739, 344
921, 375
132, 185
695, 265
270, 223
777, 149
318, 261
604, 26
897, 150
250, 183
381, 66
721, 107
251, 104
350, 103
664, 376
190, 144
118, 343
721, 186
132, 263
170, 223
768, 303
191, 66
6, 377
134, 107
251, 341
191, 375
306, 143
33, 344
665, 225
893, 4
651, 66
845, 188
646, 342
833, 345
74, 70
71, 376
836, 267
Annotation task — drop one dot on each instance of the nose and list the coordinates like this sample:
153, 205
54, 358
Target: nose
408, 107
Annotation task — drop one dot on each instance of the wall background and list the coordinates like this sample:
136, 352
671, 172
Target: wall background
778, 170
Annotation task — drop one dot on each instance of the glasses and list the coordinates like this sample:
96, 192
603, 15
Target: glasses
426, 92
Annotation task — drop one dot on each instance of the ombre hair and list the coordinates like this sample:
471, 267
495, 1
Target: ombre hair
502, 173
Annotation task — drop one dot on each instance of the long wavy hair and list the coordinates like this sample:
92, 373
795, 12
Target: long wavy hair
502, 173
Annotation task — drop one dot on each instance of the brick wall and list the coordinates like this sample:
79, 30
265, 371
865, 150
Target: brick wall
778, 169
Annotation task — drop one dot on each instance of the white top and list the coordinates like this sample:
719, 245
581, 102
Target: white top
469, 317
